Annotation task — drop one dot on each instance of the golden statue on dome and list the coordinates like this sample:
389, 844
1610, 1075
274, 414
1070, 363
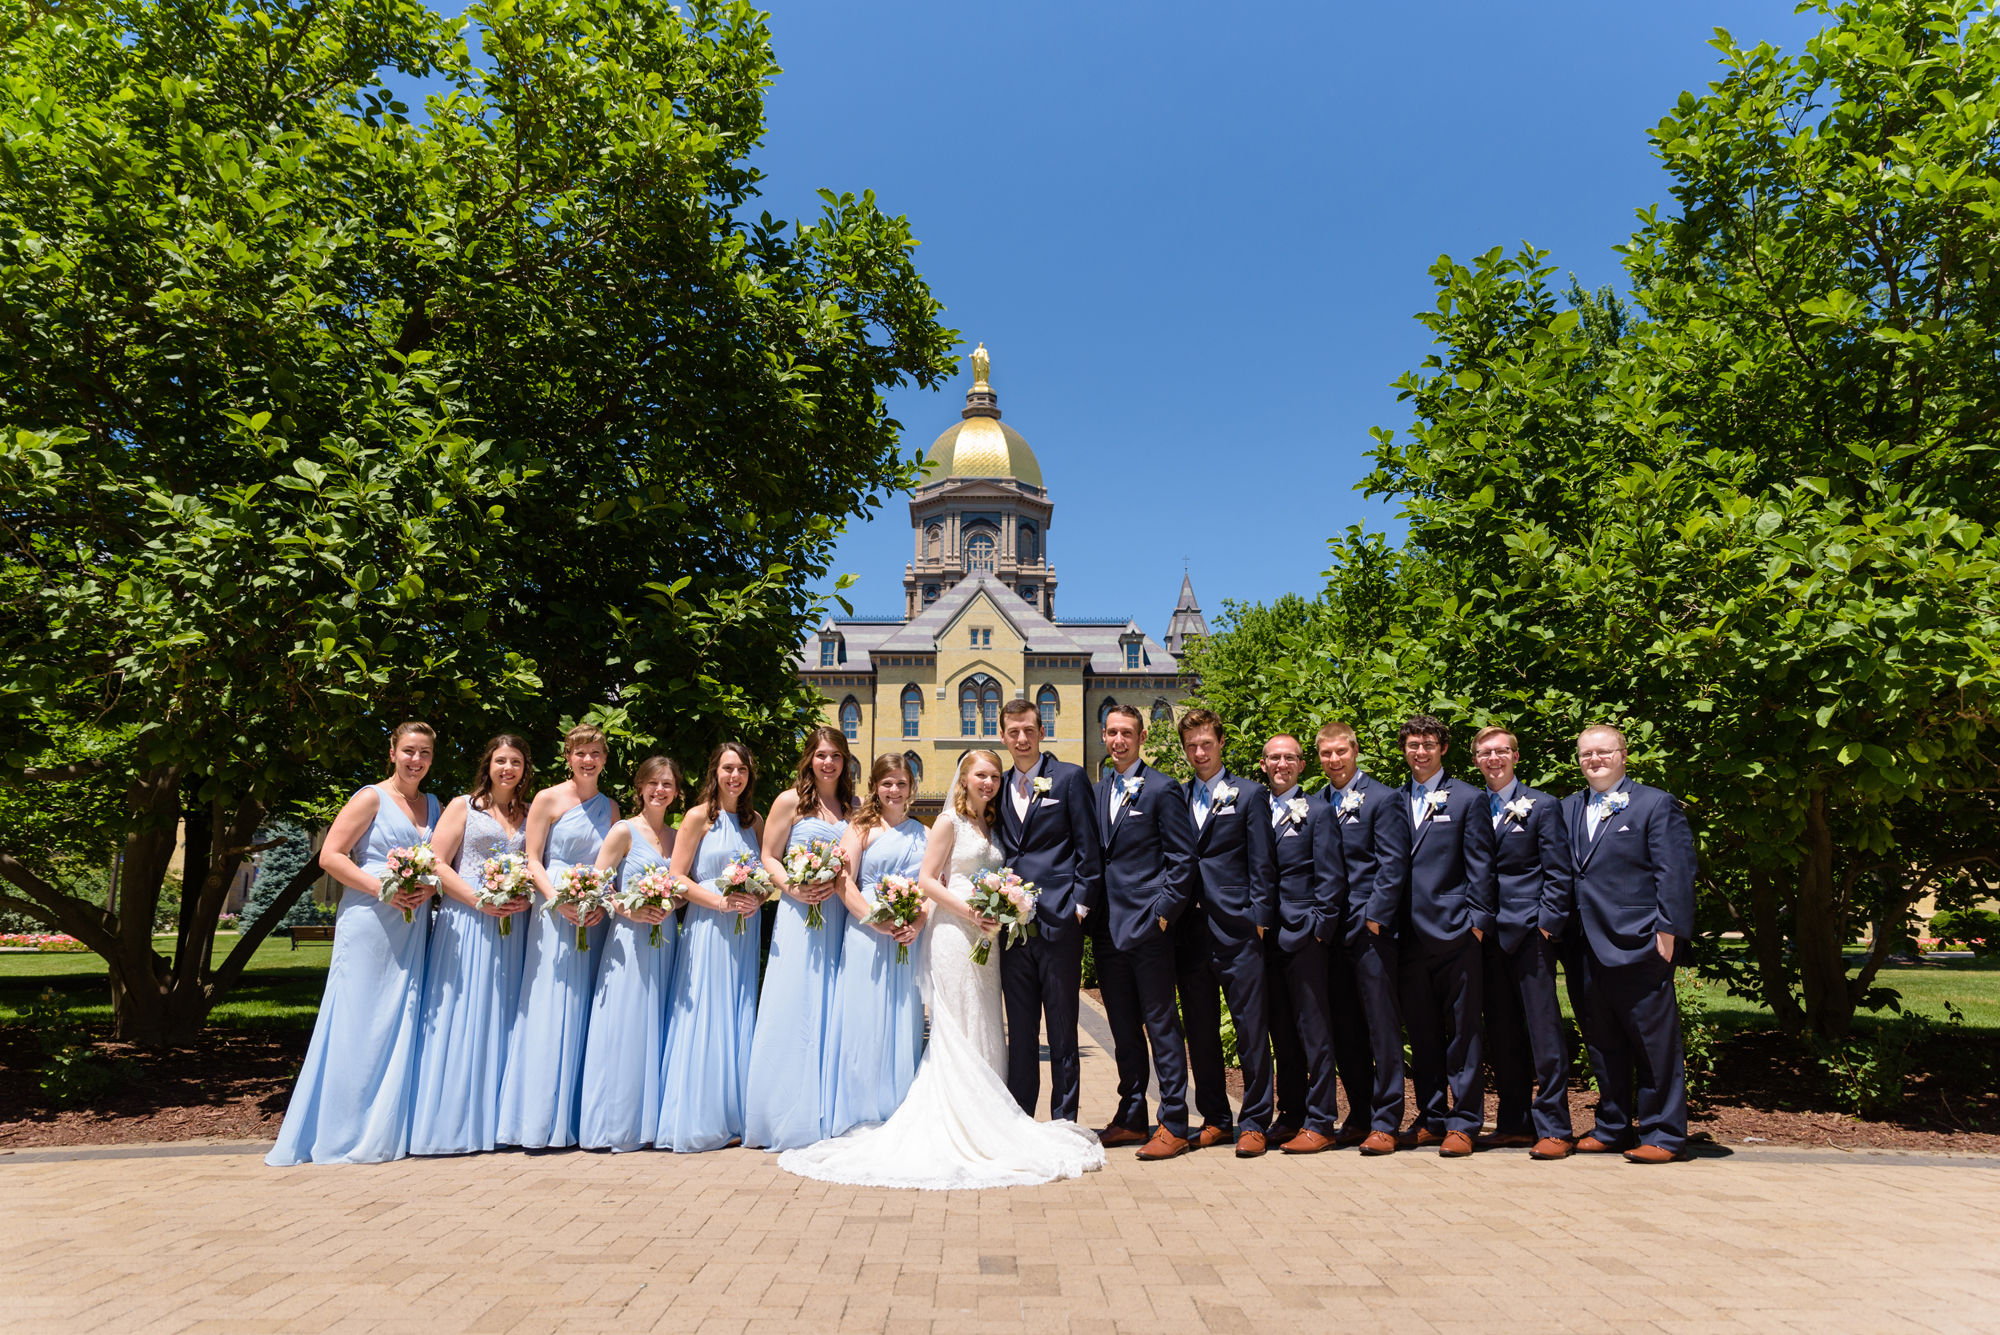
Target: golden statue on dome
981, 365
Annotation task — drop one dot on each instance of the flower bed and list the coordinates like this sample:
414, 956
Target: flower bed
56, 942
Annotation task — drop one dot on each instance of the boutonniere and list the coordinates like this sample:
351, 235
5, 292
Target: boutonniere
1221, 795
1132, 786
1351, 802
1434, 801
1042, 787
1617, 802
1519, 807
1297, 810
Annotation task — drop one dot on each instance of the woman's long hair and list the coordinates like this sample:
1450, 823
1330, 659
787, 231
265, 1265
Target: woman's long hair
961, 795
482, 783
806, 784
711, 785
651, 768
870, 811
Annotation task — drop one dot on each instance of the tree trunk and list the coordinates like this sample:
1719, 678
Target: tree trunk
1820, 931
1767, 943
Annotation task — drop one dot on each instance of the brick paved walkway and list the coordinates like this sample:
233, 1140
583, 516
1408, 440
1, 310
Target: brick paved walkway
205, 1238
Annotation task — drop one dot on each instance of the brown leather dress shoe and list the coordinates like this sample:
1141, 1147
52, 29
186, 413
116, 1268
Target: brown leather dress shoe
1552, 1147
1278, 1135
1420, 1138
1164, 1145
1592, 1145
1379, 1142
1111, 1137
1250, 1144
1210, 1136
1350, 1136
1306, 1142
1456, 1145
1510, 1140
1642, 1154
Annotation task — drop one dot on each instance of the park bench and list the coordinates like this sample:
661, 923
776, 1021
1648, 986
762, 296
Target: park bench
311, 934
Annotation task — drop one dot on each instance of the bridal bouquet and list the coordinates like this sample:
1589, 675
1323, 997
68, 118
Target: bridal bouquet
408, 871
502, 880
899, 903
654, 890
585, 889
745, 875
1006, 897
813, 863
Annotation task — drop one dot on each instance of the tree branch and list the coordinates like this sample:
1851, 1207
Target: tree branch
255, 935
82, 769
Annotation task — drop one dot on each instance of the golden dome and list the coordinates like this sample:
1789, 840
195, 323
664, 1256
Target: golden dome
982, 447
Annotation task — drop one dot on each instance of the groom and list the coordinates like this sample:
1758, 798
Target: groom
1048, 830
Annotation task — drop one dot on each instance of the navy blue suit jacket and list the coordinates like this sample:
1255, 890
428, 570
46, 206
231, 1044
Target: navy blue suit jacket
1148, 856
1056, 847
1451, 865
1232, 851
1375, 839
1637, 877
1311, 868
1532, 865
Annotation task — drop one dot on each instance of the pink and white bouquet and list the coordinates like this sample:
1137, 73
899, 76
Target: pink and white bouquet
502, 880
409, 871
897, 901
585, 889
745, 875
1007, 898
654, 890
814, 862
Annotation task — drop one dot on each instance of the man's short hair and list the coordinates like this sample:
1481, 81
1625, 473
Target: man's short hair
1329, 731
1131, 712
1603, 727
1284, 737
1016, 708
1485, 735
1196, 719
1425, 725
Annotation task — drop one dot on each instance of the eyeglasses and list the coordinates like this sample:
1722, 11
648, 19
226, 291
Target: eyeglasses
1600, 755
1495, 753
1420, 744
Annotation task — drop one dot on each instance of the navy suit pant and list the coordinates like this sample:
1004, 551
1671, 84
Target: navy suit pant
1524, 1038
1632, 1025
1201, 1017
1138, 986
1352, 1055
1040, 980
1301, 1035
1441, 996
1377, 978
1573, 953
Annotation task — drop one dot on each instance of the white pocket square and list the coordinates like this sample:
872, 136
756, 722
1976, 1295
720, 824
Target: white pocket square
1621, 829
1441, 818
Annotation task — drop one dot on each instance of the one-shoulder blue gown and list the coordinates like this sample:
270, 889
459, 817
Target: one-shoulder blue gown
543, 1078
472, 980
788, 1100
876, 1028
628, 1019
706, 1072
351, 1103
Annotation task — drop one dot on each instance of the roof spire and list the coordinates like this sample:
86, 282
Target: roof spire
1187, 622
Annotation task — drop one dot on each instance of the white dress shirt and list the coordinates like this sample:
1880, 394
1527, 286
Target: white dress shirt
1279, 802
1202, 798
1594, 812
1420, 794
1120, 778
1021, 786
1505, 795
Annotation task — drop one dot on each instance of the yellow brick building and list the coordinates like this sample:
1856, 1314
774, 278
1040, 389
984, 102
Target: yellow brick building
979, 626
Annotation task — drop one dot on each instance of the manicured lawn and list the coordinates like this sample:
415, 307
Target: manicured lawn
279, 989
1972, 985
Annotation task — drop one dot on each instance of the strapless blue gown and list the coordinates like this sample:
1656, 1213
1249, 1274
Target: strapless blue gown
706, 1072
351, 1103
628, 1018
876, 1028
788, 1101
543, 1077
472, 979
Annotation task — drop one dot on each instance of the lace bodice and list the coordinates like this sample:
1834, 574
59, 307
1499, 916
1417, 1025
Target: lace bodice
485, 838
971, 853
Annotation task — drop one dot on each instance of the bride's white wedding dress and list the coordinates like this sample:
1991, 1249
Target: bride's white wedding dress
958, 1127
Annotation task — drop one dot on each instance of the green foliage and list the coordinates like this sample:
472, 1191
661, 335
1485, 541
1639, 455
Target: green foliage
1871, 1075
72, 1072
275, 870
1978, 929
1699, 1037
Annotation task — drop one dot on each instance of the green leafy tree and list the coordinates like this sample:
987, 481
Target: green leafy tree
313, 417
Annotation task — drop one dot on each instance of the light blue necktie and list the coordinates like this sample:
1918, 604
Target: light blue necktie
1201, 800
1493, 803
1422, 793
1597, 804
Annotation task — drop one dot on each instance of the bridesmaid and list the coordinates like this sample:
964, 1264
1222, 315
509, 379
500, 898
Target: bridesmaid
352, 1100
788, 1103
706, 1070
544, 1071
628, 1018
876, 1024
472, 976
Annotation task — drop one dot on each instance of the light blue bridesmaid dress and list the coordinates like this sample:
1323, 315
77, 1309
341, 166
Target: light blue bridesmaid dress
787, 1100
352, 1100
875, 1032
543, 1076
705, 1075
628, 1018
472, 979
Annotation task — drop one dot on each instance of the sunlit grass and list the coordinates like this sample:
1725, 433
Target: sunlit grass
280, 987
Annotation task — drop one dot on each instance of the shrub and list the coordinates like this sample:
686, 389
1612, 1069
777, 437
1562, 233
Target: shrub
1977, 928
72, 1071
1698, 1035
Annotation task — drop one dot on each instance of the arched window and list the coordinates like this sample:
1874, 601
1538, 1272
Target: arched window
850, 719
1162, 710
1030, 544
1104, 710
913, 709
979, 707
968, 709
1046, 701
934, 541
979, 553
916, 764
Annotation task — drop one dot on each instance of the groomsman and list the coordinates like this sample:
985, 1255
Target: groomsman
1049, 833
1232, 849
1524, 1031
1312, 894
1363, 981
1148, 842
1447, 916
1635, 866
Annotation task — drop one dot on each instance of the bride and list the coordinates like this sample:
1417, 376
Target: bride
958, 1127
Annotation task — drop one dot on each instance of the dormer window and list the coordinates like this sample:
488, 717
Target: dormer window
1132, 656
826, 653
832, 649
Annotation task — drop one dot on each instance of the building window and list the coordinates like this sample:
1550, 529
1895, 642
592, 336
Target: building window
968, 710
1030, 544
989, 711
826, 653
1162, 710
979, 553
934, 541
913, 706
850, 719
1132, 657
979, 707
1046, 701
916, 764
1104, 710
930, 593
1029, 592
